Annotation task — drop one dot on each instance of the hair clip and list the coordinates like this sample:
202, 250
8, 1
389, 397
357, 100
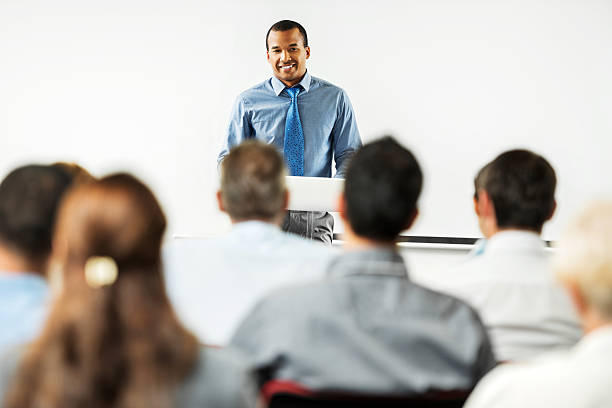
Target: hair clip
100, 271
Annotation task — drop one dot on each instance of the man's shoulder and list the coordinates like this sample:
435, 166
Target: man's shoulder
262, 88
442, 303
322, 84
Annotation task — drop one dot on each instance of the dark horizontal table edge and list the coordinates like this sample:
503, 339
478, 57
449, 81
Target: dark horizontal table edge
422, 239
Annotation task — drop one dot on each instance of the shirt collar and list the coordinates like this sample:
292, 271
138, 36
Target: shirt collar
379, 261
278, 86
513, 240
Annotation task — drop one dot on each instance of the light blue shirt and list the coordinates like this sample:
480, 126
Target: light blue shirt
24, 300
328, 122
212, 283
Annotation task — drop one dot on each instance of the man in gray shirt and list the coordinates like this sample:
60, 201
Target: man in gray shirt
367, 328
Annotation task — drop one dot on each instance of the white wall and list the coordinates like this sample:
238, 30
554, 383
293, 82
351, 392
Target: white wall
147, 86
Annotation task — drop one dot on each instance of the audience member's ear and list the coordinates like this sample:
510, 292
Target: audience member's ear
286, 199
484, 205
476, 211
576, 296
341, 207
552, 211
412, 219
220, 201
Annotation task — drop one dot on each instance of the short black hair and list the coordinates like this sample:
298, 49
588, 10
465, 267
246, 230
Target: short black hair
521, 185
383, 184
29, 197
286, 25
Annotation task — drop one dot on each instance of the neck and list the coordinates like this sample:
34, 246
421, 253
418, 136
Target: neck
354, 242
290, 84
13, 262
498, 230
592, 320
276, 221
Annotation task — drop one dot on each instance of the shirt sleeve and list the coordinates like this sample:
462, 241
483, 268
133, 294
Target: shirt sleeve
345, 134
239, 128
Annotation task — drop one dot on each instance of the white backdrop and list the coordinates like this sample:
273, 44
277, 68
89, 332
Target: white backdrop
147, 86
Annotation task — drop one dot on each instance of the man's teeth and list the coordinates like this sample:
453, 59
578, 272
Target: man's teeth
287, 66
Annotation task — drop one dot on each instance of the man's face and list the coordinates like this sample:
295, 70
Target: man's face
287, 55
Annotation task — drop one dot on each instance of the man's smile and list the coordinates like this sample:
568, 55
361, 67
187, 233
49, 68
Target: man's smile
286, 67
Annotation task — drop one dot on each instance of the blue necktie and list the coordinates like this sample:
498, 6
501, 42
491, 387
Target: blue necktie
294, 136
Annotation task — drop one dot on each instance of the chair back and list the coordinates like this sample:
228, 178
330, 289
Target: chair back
286, 394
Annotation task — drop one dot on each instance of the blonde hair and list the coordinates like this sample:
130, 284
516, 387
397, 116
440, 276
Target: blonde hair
584, 256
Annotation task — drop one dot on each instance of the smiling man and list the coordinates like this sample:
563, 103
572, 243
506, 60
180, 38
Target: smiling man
310, 121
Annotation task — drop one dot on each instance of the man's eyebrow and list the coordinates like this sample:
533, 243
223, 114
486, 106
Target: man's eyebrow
290, 45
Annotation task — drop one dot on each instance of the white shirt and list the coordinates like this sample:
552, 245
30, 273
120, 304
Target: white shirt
578, 378
522, 306
213, 283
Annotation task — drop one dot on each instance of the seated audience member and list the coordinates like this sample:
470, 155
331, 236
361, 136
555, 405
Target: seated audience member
367, 328
214, 282
580, 377
112, 339
509, 282
29, 197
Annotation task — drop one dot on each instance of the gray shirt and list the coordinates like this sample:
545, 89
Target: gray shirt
367, 328
219, 380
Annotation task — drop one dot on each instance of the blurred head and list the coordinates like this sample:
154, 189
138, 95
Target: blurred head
118, 217
515, 191
287, 51
382, 186
78, 173
29, 197
583, 262
111, 343
253, 183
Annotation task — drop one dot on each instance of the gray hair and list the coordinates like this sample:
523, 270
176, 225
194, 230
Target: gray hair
253, 182
584, 256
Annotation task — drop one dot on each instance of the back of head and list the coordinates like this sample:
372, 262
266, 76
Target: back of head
584, 257
29, 197
118, 217
253, 182
521, 185
383, 184
79, 174
112, 339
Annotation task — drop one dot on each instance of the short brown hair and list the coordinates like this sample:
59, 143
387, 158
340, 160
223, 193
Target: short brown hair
253, 181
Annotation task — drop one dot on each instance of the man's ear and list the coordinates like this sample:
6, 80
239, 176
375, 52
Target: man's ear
552, 211
307, 48
341, 207
484, 204
476, 209
578, 300
412, 219
220, 201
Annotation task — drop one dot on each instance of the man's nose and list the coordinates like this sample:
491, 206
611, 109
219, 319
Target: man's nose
284, 56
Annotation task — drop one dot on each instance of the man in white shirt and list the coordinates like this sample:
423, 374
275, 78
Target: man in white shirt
580, 377
214, 282
508, 279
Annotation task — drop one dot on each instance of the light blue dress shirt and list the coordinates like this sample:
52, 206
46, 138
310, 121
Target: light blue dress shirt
328, 122
24, 299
